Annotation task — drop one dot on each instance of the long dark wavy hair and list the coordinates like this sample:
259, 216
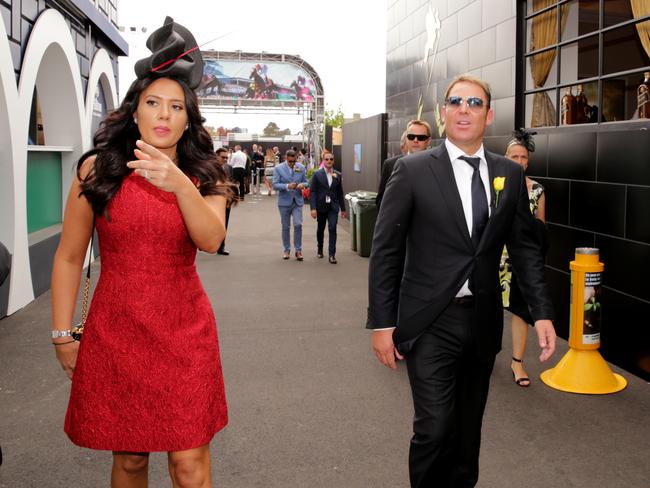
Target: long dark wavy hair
114, 143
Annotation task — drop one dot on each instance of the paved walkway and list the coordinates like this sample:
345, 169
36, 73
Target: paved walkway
309, 404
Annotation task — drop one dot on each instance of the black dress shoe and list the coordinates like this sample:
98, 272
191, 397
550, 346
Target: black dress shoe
333, 260
319, 255
223, 252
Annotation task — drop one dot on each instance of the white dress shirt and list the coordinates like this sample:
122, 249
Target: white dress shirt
238, 160
463, 172
329, 176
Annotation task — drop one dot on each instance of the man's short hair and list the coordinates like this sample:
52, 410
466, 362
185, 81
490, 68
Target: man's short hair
237, 147
290, 153
422, 123
221, 150
471, 79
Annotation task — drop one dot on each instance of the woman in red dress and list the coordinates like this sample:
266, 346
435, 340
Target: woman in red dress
147, 375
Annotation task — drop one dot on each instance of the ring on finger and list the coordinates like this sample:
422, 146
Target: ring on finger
146, 174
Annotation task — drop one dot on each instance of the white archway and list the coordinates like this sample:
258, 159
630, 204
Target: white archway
8, 149
101, 71
50, 64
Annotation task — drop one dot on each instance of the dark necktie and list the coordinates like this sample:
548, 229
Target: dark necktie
479, 202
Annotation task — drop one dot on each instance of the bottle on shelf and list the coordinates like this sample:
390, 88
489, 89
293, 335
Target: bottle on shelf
568, 108
583, 109
643, 97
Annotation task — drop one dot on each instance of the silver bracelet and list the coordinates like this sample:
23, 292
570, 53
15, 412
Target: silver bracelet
61, 333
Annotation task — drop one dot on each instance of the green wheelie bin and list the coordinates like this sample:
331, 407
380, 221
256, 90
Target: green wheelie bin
350, 200
365, 216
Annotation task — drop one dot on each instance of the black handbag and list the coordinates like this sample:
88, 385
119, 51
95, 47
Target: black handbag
78, 331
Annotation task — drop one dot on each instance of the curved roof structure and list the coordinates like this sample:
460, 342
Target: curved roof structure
261, 82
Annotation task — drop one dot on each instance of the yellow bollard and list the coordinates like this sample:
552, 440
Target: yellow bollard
582, 369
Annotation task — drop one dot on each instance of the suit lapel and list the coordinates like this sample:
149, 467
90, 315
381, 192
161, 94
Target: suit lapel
493, 171
323, 178
441, 167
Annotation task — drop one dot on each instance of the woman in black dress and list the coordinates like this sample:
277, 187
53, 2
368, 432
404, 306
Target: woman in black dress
518, 150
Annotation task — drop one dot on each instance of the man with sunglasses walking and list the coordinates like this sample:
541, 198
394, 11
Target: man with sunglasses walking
326, 201
442, 212
417, 137
289, 180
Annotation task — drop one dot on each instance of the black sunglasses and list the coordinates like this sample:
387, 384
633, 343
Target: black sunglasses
419, 137
328, 159
472, 102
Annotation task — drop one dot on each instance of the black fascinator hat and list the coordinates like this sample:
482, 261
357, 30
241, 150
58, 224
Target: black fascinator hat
523, 137
174, 53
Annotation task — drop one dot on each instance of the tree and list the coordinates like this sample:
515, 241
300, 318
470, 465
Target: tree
334, 119
271, 129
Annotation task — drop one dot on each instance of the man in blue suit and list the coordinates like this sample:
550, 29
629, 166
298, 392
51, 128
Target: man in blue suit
325, 201
289, 180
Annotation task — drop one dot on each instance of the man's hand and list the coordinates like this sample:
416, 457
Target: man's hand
292, 185
313, 214
547, 337
300, 186
344, 215
384, 348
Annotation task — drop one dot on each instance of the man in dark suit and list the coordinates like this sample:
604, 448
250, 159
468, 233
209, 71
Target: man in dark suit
440, 209
416, 137
326, 200
222, 159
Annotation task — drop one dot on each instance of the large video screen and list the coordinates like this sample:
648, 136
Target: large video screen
227, 79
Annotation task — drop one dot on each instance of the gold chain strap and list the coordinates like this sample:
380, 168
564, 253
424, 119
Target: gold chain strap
77, 332
84, 306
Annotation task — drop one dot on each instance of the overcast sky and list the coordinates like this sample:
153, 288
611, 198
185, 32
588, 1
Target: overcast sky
343, 40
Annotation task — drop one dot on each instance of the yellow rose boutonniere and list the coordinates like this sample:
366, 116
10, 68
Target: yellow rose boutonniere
334, 175
498, 184
297, 169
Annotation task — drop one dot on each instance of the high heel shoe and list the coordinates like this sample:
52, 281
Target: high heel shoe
524, 381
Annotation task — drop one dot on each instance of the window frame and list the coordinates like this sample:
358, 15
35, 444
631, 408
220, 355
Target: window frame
523, 54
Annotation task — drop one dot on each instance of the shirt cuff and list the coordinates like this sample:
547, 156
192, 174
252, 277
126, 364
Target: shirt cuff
385, 328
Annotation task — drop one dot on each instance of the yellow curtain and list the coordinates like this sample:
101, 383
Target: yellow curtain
543, 34
639, 9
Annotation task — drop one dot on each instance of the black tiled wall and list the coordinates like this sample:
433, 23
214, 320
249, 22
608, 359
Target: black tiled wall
624, 156
637, 221
598, 195
571, 155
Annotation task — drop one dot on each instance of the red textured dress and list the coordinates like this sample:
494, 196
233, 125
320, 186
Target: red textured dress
148, 376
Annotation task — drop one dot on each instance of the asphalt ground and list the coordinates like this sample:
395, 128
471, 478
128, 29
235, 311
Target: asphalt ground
309, 404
